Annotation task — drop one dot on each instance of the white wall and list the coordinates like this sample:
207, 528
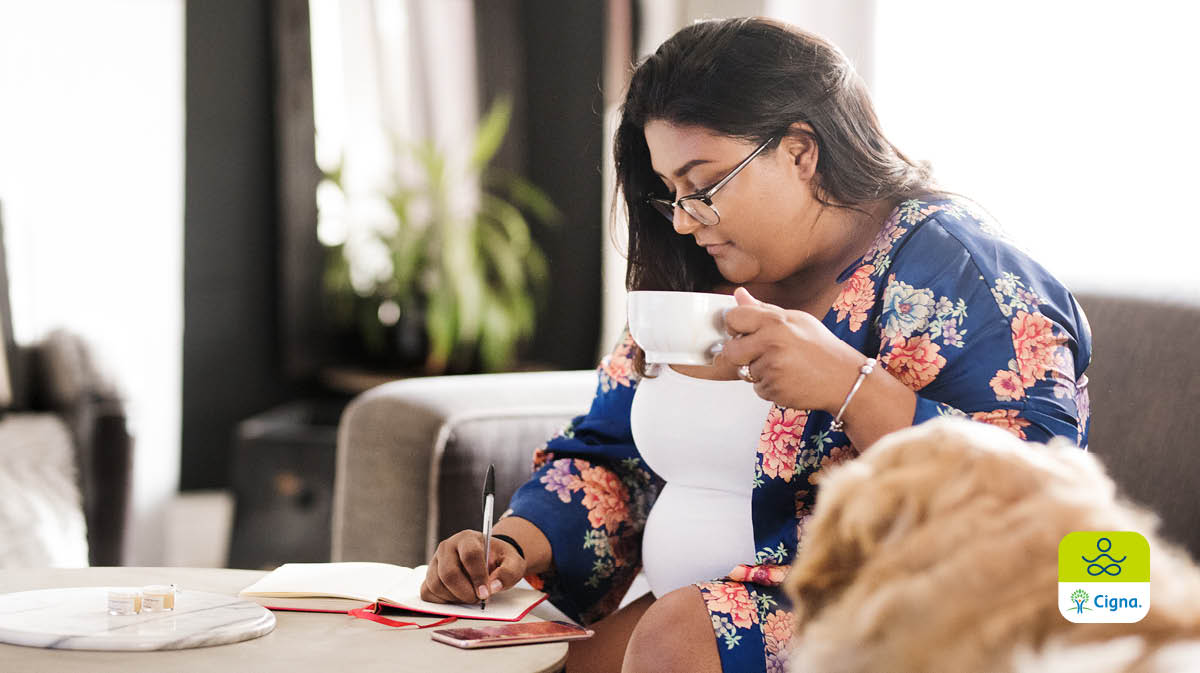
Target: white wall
1073, 122
91, 181
850, 24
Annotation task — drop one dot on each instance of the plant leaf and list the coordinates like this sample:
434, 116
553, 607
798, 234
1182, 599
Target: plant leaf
504, 261
338, 290
335, 175
497, 344
460, 274
516, 228
440, 326
528, 196
538, 270
491, 132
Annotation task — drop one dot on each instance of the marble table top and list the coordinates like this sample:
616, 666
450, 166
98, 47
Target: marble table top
301, 642
76, 618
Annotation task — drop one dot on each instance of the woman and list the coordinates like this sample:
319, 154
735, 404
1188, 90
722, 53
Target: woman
750, 158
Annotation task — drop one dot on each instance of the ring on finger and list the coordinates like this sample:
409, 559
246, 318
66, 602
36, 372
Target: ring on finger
744, 374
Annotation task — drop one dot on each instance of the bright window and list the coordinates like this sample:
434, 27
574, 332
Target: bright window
91, 181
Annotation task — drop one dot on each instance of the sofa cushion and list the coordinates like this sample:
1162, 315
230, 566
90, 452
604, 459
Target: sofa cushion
1144, 384
41, 510
460, 462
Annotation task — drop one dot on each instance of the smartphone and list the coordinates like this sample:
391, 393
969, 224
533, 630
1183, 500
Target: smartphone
511, 634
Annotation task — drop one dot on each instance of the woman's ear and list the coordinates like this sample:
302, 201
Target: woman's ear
800, 146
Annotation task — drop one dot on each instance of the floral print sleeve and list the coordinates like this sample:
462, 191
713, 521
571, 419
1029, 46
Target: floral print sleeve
590, 494
983, 331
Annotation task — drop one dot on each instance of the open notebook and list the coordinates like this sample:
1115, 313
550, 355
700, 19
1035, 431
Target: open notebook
309, 586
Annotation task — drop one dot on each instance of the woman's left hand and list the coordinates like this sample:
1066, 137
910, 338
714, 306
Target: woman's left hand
794, 360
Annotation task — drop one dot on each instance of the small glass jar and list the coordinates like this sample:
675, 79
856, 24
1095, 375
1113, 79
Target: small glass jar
123, 602
158, 597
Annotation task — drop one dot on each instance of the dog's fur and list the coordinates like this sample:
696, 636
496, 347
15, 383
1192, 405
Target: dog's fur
937, 551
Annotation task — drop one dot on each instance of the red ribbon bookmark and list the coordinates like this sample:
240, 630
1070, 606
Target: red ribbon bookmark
368, 612
371, 613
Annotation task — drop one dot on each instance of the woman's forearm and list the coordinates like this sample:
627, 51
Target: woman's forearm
532, 540
882, 405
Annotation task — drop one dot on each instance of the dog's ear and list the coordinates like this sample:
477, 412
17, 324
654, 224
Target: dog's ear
833, 547
862, 505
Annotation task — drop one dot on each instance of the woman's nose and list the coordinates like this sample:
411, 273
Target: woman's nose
683, 222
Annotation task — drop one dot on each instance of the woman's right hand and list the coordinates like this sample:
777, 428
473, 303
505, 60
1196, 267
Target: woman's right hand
456, 573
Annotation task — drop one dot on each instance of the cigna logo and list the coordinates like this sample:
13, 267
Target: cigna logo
1104, 576
1079, 602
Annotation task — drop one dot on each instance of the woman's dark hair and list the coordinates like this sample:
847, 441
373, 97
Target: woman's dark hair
750, 79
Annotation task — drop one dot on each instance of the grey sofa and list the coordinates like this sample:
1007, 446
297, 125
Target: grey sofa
412, 454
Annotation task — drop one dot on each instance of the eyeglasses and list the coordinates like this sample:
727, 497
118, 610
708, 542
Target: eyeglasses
700, 205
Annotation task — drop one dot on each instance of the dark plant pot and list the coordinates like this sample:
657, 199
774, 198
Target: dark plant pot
408, 343
366, 343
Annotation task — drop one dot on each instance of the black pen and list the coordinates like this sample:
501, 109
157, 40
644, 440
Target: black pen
489, 501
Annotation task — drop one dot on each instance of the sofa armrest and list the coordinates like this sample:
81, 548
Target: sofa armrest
411, 455
59, 375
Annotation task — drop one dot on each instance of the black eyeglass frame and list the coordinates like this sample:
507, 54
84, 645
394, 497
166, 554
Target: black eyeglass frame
666, 207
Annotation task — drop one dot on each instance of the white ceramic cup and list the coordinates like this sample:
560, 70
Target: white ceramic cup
678, 328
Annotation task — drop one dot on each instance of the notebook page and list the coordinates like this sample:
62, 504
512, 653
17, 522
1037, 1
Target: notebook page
357, 580
508, 605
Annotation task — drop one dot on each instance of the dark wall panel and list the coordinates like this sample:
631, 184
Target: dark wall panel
230, 365
563, 64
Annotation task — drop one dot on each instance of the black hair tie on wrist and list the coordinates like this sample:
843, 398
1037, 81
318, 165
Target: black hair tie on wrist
520, 552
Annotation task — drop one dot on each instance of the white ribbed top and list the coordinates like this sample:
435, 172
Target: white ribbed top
701, 436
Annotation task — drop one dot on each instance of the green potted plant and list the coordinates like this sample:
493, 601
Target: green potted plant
451, 288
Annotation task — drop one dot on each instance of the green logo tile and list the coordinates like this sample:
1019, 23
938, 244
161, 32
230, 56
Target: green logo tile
1104, 556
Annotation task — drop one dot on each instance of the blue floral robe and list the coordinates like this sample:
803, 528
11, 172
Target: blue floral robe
949, 307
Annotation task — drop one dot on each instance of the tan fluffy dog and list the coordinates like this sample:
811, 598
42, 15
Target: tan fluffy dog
937, 551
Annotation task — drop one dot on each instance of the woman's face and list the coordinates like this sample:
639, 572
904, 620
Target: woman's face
767, 210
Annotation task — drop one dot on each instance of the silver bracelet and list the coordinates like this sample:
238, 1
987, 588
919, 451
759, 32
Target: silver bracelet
867, 368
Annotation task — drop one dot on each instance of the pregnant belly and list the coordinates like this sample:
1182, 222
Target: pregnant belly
695, 535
